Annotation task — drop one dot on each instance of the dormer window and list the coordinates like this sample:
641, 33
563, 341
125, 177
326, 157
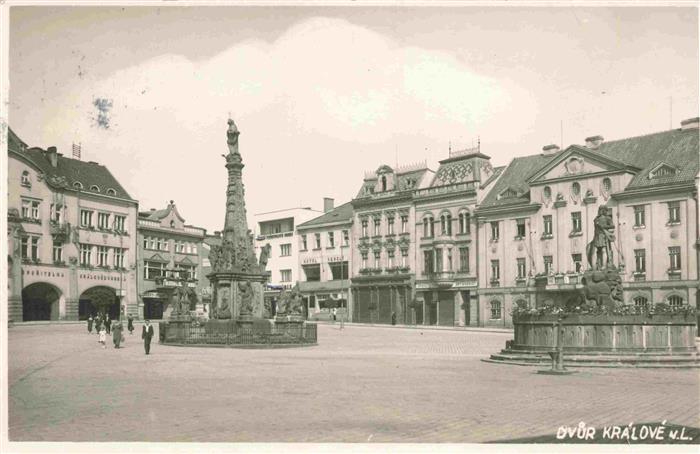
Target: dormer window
25, 179
662, 170
383, 183
78, 185
508, 193
95, 188
111, 191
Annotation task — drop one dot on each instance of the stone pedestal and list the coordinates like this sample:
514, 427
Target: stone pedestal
244, 322
177, 328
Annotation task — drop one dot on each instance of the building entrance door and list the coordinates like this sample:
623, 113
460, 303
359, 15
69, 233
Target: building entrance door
40, 302
466, 307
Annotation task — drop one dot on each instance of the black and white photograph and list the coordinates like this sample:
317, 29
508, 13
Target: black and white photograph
342, 226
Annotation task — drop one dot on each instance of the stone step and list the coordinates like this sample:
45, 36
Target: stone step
646, 360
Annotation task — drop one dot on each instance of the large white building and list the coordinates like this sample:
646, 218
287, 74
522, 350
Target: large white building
277, 228
71, 235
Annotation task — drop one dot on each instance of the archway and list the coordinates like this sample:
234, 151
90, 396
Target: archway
40, 302
100, 299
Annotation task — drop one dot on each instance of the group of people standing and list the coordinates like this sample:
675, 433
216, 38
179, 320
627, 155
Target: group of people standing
103, 326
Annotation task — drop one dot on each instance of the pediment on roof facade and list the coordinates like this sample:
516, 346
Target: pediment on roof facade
454, 172
662, 170
508, 193
577, 161
157, 258
186, 261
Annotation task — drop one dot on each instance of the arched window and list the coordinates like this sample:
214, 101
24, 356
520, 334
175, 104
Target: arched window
675, 300
495, 310
25, 179
576, 189
443, 224
426, 232
431, 221
78, 185
94, 188
383, 183
111, 191
640, 301
607, 184
449, 224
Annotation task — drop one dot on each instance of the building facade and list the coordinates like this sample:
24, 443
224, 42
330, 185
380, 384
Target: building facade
447, 239
72, 237
384, 238
325, 259
277, 229
537, 221
170, 254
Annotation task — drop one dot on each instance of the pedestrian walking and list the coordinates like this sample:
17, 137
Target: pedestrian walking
103, 337
98, 324
335, 311
130, 324
147, 335
108, 324
393, 318
90, 321
117, 336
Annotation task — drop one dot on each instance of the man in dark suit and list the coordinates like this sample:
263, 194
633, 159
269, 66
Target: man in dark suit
147, 335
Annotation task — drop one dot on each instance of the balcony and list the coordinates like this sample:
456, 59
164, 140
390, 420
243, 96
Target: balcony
271, 236
60, 231
440, 276
170, 282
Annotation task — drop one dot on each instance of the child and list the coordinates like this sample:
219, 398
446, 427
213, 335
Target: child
103, 336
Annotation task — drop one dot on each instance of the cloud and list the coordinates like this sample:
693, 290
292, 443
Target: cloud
324, 90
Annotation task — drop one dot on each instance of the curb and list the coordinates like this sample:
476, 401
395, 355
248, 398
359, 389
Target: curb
420, 327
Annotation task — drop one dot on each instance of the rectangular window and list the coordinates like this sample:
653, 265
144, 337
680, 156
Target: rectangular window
578, 262
85, 218
331, 240
35, 248
639, 216
495, 310
102, 255
312, 272
449, 259
404, 258
674, 212
520, 228
26, 208
85, 254
495, 231
25, 247
390, 259
495, 270
285, 275
285, 250
35, 210
317, 237
390, 226
377, 227
464, 259
548, 264
522, 271
364, 259
186, 271
57, 252
119, 223
640, 260
674, 254
547, 222
427, 262
377, 259
103, 221
438, 260
164, 244
346, 237
339, 270
56, 213
303, 243
364, 228
152, 270
404, 224
119, 257
576, 222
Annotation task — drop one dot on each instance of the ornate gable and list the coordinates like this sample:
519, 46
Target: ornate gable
577, 161
454, 172
662, 170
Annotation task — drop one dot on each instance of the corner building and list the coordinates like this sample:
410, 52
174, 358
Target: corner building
71, 237
537, 220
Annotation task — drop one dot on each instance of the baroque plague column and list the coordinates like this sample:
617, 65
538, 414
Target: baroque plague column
237, 279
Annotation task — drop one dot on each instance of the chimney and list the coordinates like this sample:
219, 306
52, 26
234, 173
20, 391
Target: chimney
594, 142
690, 123
52, 154
550, 149
327, 204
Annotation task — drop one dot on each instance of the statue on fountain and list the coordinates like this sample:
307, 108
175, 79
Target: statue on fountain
603, 236
602, 285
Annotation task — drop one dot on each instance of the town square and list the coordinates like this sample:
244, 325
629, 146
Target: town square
358, 224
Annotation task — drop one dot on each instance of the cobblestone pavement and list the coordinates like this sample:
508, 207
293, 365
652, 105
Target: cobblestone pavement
360, 384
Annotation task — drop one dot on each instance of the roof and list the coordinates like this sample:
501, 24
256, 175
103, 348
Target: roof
676, 148
341, 213
515, 177
496, 172
157, 215
69, 171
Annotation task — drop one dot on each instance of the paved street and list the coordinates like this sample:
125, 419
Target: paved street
362, 384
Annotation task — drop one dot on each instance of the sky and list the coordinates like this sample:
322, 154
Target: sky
323, 94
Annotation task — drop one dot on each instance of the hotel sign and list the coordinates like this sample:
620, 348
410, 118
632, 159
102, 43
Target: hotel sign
335, 259
470, 284
310, 261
